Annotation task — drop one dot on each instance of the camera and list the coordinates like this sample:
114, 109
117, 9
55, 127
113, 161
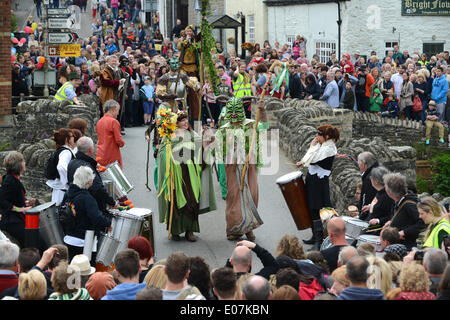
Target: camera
447, 242
419, 255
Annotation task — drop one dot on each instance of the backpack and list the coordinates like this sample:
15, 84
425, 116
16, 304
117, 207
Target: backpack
417, 105
67, 215
309, 291
50, 171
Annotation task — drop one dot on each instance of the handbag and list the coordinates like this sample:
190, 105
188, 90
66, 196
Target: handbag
417, 105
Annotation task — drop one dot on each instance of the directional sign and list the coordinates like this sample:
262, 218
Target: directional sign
63, 37
58, 23
70, 50
53, 51
58, 12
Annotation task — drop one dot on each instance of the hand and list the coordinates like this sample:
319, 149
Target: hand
365, 208
246, 243
109, 229
22, 209
47, 256
402, 235
315, 141
373, 221
30, 203
299, 164
409, 257
387, 224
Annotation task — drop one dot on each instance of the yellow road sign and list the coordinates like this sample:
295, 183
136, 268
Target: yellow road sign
70, 50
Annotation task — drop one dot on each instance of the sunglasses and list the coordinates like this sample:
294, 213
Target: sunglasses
319, 133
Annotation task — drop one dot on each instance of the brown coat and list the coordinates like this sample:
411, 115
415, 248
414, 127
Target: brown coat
109, 85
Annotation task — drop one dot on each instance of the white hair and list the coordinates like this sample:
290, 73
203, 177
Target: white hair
84, 144
9, 253
83, 175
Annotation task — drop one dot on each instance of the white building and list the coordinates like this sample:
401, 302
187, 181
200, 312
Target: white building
366, 25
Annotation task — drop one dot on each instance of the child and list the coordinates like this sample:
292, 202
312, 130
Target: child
349, 98
376, 101
147, 93
432, 116
391, 106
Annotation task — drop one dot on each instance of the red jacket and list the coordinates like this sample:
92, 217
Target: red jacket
109, 140
8, 281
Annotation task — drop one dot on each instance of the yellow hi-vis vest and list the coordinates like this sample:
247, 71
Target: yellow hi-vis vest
60, 95
240, 88
432, 240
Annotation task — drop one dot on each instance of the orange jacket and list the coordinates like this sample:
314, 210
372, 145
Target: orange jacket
109, 140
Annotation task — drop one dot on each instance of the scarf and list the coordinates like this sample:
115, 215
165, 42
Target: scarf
319, 152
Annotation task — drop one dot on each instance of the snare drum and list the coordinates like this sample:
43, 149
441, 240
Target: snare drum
121, 184
354, 226
369, 238
50, 229
327, 242
294, 193
107, 250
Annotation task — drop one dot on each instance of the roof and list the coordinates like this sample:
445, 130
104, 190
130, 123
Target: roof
223, 21
294, 2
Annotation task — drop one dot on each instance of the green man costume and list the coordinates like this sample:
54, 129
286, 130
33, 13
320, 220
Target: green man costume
233, 144
193, 194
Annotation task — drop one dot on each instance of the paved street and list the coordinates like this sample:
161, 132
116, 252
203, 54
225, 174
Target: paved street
212, 243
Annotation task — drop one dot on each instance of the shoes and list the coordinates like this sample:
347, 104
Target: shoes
427, 142
190, 236
250, 236
232, 237
441, 141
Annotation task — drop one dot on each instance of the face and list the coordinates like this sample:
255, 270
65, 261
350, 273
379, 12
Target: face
426, 216
241, 67
183, 124
438, 72
320, 138
23, 169
71, 141
337, 288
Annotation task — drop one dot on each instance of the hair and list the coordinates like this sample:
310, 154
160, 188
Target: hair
310, 78
261, 68
414, 278
200, 276
127, 263
99, 283
391, 235
76, 134
110, 104
224, 281
289, 245
177, 265
430, 205
357, 269
368, 158
156, 276
150, 293
82, 176
28, 258
62, 281
32, 285
287, 276
285, 292
240, 282
9, 253
380, 274
338, 275
378, 173
13, 162
366, 249
396, 183
435, 260
142, 247
318, 259
256, 288
324, 296
346, 253
444, 284
241, 259
330, 132
60, 136
84, 144
78, 123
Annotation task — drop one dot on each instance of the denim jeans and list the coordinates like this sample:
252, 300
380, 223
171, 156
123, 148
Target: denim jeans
135, 14
39, 10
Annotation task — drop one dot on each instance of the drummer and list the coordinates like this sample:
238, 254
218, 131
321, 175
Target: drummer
380, 209
319, 160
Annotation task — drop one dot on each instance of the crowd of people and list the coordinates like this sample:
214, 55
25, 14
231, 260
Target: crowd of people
123, 63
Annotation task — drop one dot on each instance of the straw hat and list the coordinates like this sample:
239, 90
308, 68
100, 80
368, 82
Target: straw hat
81, 261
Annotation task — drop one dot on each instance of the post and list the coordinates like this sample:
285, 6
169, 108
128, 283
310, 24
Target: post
31, 230
44, 16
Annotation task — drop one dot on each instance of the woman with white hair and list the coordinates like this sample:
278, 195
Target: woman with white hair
88, 216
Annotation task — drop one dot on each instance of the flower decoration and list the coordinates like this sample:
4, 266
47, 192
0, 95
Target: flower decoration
248, 46
166, 122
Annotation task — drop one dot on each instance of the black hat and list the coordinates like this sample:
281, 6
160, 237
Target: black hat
363, 67
74, 75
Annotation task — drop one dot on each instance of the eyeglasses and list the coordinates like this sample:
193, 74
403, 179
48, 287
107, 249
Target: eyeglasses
319, 133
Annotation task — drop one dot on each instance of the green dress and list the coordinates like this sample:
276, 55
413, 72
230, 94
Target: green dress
182, 157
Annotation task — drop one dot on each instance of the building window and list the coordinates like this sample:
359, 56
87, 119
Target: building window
324, 49
431, 49
290, 40
251, 28
389, 46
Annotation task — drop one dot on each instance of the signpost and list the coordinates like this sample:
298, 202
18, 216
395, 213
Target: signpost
70, 50
59, 23
425, 8
62, 37
51, 12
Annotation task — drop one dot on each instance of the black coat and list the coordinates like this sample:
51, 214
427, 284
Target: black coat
295, 86
368, 192
313, 89
88, 215
318, 190
97, 190
12, 193
407, 220
381, 210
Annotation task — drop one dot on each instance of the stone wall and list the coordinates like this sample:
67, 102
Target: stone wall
32, 131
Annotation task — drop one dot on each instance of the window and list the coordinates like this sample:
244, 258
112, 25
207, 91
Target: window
324, 49
251, 28
431, 49
389, 46
290, 40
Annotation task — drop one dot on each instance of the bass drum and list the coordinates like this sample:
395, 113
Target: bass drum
294, 192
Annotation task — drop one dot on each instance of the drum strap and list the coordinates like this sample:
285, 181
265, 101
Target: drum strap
401, 206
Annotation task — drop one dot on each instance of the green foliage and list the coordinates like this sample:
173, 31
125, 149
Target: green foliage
425, 152
423, 185
441, 176
13, 23
4, 146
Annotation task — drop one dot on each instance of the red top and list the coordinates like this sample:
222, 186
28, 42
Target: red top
109, 140
8, 281
422, 295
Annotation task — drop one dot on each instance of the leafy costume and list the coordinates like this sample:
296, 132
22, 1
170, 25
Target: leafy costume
233, 144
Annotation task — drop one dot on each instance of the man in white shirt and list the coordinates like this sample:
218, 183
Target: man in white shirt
397, 80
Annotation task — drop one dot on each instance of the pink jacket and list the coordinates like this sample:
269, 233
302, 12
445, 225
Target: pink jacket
114, 3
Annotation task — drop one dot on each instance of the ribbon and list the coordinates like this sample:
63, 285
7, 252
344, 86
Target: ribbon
284, 74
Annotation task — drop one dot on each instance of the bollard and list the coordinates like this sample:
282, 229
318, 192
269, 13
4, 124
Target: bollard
31, 229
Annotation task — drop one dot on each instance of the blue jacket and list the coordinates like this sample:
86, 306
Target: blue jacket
331, 94
355, 293
439, 90
124, 291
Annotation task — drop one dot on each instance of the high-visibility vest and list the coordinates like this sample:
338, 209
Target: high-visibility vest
60, 95
240, 88
432, 240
